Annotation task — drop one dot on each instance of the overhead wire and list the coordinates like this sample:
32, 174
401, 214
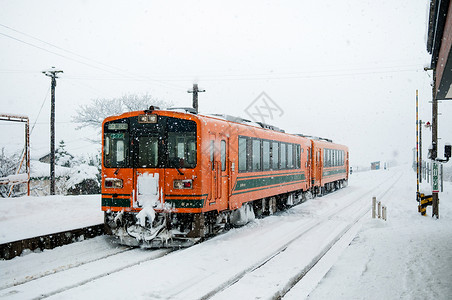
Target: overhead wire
123, 74
39, 112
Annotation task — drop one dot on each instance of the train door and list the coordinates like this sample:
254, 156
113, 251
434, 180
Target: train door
219, 171
318, 166
224, 170
308, 166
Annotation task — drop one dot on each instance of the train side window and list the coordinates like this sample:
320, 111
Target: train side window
298, 156
289, 156
333, 158
249, 154
329, 158
212, 154
275, 156
242, 154
256, 159
223, 155
283, 160
266, 155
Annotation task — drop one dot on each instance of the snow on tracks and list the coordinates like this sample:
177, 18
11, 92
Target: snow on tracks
41, 275
207, 269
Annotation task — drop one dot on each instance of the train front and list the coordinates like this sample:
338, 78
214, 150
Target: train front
151, 186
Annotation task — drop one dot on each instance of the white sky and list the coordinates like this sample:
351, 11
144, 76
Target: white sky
346, 70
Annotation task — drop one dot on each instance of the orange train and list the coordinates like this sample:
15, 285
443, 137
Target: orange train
172, 177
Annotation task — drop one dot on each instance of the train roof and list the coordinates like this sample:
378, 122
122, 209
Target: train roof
315, 137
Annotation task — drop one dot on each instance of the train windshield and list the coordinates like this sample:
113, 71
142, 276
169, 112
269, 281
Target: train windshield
168, 143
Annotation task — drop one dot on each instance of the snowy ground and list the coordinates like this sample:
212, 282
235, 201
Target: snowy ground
27, 217
408, 256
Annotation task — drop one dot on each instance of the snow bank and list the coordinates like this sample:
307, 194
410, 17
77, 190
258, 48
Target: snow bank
407, 257
26, 217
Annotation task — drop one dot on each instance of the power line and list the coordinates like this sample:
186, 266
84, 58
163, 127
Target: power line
131, 76
60, 48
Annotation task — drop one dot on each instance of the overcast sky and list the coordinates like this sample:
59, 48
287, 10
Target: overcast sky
345, 70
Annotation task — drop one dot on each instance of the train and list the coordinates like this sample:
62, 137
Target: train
173, 177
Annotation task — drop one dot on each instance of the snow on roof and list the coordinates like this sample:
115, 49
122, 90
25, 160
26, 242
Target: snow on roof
39, 169
80, 173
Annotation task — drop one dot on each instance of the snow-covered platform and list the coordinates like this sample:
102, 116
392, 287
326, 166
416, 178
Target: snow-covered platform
27, 217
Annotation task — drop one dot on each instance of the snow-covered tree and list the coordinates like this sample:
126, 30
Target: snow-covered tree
93, 114
8, 166
62, 157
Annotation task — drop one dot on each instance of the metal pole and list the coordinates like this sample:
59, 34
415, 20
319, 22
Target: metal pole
374, 203
442, 182
420, 151
417, 147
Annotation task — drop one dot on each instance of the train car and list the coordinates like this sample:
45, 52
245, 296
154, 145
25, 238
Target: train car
329, 169
169, 178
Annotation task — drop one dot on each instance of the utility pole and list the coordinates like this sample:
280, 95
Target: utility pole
52, 73
195, 92
420, 150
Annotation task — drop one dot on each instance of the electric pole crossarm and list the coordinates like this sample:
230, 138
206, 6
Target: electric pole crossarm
195, 92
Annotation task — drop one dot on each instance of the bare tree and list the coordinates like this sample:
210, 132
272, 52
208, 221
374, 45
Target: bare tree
93, 114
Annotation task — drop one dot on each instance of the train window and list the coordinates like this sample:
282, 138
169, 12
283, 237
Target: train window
298, 156
242, 154
329, 158
290, 156
256, 159
275, 155
181, 143
266, 155
120, 153
212, 154
116, 150
223, 155
147, 151
283, 159
181, 149
107, 146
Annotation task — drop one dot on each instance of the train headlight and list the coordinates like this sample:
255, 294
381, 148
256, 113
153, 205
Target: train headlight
113, 183
183, 184
147, 119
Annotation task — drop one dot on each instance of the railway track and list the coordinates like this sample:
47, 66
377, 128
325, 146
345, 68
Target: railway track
67, 277
339, 237
208, 270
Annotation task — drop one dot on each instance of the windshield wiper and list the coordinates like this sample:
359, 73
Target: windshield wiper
179, 171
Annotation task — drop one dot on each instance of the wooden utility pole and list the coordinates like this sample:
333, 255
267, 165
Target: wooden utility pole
195, 92
52, 73
435, 200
